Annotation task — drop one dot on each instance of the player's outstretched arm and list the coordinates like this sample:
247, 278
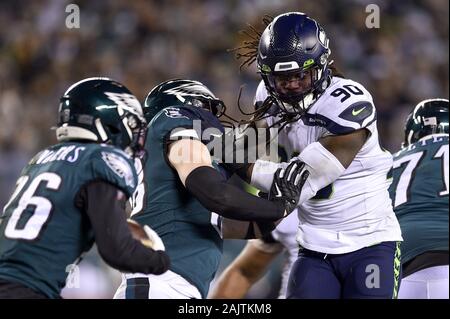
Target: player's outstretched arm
104, 204
325, 160
192, 161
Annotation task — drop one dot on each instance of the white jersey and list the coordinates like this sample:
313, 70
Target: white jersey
355, 211
284, 235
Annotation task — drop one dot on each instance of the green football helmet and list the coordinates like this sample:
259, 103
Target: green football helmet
179, 92
104, 111
428, 117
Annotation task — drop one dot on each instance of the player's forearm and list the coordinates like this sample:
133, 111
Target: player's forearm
112, 235
218, 196
323, 167
135, 258
246, 150
192, 161
236, 229
231, 285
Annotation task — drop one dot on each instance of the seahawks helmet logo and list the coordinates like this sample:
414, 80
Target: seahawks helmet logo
120, 167
190, 89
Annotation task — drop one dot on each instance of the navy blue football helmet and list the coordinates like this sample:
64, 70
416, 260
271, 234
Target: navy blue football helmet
294, 47
428, 117
181, 92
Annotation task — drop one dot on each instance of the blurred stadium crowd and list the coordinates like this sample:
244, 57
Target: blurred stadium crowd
142, 43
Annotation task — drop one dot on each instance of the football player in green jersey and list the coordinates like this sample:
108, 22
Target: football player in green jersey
420, 197
73, 194
185, 195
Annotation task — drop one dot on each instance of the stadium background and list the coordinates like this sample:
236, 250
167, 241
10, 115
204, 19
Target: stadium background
142, 43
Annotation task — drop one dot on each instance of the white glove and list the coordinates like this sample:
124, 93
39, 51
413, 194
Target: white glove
156, 241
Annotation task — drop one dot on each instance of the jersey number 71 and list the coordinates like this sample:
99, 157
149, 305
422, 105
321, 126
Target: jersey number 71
407, 176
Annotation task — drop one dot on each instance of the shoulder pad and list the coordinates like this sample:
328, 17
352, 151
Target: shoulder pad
115, 167
183, 122
170, 119
345, 106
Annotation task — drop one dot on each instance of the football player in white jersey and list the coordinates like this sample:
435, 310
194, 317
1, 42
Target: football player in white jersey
348, 234
254, 260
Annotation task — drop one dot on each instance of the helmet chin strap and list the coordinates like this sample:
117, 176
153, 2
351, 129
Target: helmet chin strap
308, 100
302, 106
66, 132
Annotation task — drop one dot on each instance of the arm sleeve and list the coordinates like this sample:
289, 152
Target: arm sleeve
214, 193
104, 205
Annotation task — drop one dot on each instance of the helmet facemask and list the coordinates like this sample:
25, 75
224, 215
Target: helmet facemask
296, 91
137, 145
133, 135
215, 106
292, 59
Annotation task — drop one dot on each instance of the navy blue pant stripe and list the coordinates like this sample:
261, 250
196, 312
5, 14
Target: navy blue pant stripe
137, 288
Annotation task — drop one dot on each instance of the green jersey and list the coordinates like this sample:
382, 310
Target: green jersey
42, 232
187, 229
420, 195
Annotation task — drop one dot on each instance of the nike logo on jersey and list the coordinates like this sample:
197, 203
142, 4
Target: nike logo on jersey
356, 112
359, 112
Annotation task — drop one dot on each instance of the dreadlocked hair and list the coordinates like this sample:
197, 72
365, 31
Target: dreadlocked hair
335, 71
249, 52
249, 48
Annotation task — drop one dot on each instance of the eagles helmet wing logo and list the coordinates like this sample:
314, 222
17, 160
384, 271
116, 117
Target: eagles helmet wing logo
190, 89
124, 101
174, 113
120, 167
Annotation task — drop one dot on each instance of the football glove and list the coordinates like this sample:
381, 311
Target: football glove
287, 185
238, 153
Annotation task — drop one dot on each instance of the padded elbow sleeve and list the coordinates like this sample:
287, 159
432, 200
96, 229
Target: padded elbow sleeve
324, 168
262, 174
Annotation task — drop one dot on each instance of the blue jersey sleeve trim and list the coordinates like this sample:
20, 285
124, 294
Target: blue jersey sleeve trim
356, 113
323, 121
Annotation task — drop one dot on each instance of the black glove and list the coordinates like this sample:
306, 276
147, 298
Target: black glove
287, 185
232, 145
